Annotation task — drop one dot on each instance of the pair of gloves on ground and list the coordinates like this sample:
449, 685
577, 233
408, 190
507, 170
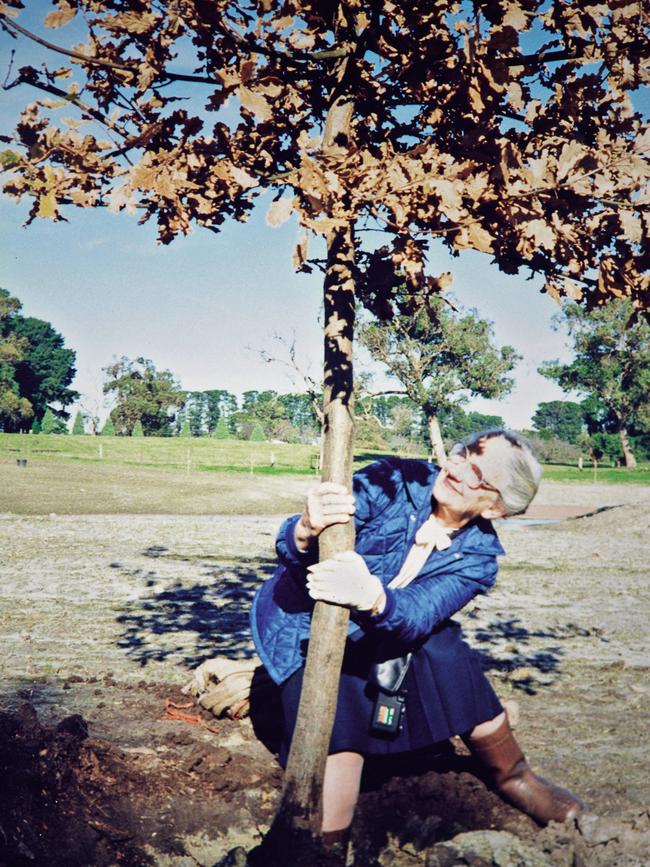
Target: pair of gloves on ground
225, 687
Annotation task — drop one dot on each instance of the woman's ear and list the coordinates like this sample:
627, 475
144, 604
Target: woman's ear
497, 510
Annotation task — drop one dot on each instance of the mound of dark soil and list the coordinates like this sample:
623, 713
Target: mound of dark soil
67, 800
70, 800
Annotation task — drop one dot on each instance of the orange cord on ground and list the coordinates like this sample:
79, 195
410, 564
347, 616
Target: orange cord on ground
174, 711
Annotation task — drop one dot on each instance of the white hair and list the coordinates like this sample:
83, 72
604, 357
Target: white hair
523, 471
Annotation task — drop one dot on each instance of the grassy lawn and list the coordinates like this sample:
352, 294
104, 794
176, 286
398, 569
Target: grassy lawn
193, 453
84, 475
68, 475
614, 475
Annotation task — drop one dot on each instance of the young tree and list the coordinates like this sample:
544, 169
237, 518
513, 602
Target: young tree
50, 424
220, 404
611, 368
109, 428
441, 357
195, 410
142, 393
186, 429
78, 428
560, 418
138, 430
504, 126
257, 434
222, 431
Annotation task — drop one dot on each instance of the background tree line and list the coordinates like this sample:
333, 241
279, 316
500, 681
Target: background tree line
439, 355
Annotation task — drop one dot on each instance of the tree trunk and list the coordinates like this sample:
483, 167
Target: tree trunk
437, 445
630, 460
297, 825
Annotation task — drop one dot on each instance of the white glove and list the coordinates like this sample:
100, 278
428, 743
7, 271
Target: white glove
215, 670
327, 503
345, 580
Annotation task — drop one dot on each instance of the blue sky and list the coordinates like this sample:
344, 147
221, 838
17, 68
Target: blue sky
203, 306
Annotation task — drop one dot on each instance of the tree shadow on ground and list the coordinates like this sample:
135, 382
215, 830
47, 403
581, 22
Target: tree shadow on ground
528, 650
190, 622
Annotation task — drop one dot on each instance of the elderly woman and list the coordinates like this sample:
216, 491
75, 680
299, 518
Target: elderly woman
425, 546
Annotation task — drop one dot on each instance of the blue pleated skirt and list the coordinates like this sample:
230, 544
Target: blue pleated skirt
447, 694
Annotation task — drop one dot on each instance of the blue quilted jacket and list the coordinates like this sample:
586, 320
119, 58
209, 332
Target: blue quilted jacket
393, 499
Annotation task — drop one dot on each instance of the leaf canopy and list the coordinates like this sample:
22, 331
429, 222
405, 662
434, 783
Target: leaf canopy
504, 126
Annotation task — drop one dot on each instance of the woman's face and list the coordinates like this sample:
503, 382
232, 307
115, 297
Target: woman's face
468, 484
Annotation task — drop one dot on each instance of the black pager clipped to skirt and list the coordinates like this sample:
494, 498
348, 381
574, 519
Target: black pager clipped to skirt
389, 679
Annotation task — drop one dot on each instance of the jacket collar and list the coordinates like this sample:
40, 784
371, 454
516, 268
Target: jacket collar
419, 478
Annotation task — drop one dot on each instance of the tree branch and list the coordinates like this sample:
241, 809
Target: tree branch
85, 109
252, 47
10, 25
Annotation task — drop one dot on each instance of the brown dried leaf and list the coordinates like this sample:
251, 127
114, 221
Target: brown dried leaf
570, 156
246, 70
279, 212
475, 98
255, 103
121, 197
541, 233
59, 19
477, 185
479, 239
515, 17
631, 226
146, 75
300, 253
325, 225
534, 108
551, 288
537, 173
131, 22
47, 206
302, 41
242, 177
516, 96
572, 290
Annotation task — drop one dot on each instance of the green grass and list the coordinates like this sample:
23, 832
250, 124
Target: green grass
174, 453
206, 454
613, 475
66, 475
84, 475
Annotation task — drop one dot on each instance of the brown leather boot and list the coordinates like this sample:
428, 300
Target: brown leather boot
515, 781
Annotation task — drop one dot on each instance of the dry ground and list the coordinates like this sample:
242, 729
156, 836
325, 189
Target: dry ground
104, 615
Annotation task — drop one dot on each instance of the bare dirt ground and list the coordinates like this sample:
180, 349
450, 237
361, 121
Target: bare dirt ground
103, 616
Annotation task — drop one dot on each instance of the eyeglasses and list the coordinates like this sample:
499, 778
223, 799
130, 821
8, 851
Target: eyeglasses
472, 475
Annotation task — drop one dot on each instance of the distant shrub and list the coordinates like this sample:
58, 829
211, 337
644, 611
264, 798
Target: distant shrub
186, 430
284, 431
369, 434
257, 434
109, 429
137, 429
553, 450
50, 424
222, 432
78, 428
36, 426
